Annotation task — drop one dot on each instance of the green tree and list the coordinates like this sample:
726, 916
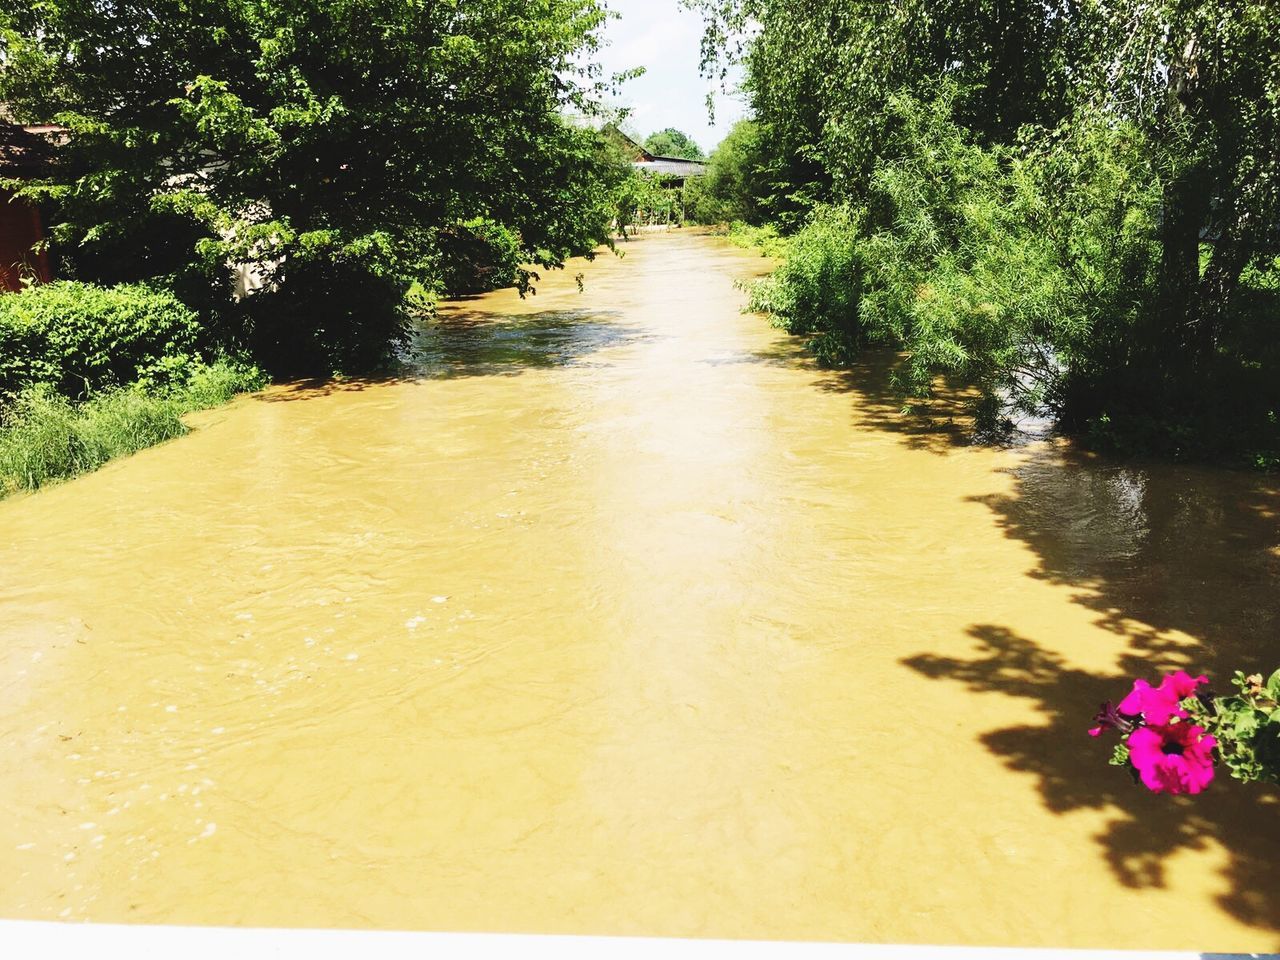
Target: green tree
737, 185
1202, 80
673, 143
1071, 206
819, 75
328, 143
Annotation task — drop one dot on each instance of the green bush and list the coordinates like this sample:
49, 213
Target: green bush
215, 384
766, 239
1019, 271
817, 289
45, 437
79, 339
1030, 272
699, 205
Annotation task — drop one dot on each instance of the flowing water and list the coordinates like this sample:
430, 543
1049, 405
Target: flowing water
616, 615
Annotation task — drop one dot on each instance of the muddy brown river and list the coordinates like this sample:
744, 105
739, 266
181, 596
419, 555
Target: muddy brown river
616, 615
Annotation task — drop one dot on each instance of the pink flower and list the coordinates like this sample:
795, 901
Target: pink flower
1158, 705
1177, 758
1183, 684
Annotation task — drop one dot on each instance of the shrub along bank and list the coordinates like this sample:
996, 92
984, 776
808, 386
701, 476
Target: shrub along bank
90, 373
78, 338
44, 437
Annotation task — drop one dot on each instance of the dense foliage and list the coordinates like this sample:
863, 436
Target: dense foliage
478, 255
1075, 209
339, 150
79, 339
736, 186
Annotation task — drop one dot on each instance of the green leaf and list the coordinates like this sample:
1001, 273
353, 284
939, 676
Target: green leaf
1273, 686
1246, 724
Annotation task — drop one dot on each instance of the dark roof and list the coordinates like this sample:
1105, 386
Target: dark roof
27, 150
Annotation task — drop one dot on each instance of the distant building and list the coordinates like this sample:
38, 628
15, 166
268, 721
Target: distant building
25, 152
672, 170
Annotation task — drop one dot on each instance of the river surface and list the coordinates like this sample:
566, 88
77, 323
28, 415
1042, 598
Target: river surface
615, 615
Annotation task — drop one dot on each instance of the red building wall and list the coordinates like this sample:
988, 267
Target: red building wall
20, 229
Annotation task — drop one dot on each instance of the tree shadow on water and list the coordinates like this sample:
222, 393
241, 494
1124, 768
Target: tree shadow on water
1072, 773
1182, 565
321, 387
470, 343
1153, 547
936, 424
475, 343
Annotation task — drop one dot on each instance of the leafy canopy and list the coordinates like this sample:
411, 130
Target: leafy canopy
329, 143
1068, 206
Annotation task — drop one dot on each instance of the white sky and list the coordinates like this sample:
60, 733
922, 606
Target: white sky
664, 38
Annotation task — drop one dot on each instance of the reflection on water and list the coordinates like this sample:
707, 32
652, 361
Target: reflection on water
1174, 547
1181, 565
469, 344
672, 633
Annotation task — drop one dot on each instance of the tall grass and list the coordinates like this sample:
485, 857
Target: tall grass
766, 239
44, 437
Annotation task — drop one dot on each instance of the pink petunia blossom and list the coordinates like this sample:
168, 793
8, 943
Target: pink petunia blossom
1183, 684
1159, 705
1177, 758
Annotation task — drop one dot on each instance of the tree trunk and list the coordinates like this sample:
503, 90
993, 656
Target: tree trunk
1218, 287
1186, 205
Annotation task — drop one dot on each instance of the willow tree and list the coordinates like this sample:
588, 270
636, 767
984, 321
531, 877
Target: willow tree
1202, 79
819, 75
1138, 141
329, 143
